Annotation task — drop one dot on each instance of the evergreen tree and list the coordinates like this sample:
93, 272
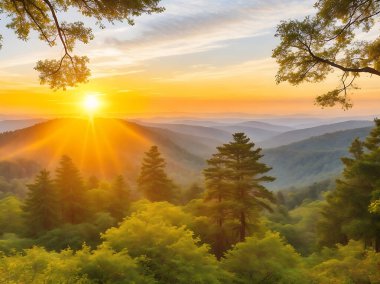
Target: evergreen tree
218, 193
41, 204
70, 191
193, 192
346, 214
234, 189
246, 178
153, 181
120, 198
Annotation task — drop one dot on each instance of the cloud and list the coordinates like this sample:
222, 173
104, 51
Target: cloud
266, 67
189, 27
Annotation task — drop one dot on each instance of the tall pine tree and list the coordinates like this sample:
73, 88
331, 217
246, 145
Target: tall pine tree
41, 204
218, 195
347, 214
247, 176
71, 192
153, 181
234, 187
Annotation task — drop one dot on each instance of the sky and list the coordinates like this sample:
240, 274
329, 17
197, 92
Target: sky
198, 56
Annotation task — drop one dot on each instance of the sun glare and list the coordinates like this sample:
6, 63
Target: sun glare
91, 103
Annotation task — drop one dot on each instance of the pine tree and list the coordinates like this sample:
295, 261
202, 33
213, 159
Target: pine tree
41, 204
193, 192
347, 212
120, 198
218, 193
234, 189
247, 176
70, 192
153, 181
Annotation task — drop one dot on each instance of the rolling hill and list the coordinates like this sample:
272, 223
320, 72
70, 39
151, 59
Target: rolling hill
104, 147
11, 125
265, 126
219, 136
311, 160
302, 134
107, 147
256, 134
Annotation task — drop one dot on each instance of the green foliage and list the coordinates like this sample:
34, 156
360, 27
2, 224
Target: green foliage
345, 264
153, 181
11, 219
17, 169
44, 17
374, 207
234, 189
120, 198
66, 72
195, 191
75, 235
294, 197
103, 265
312, 48
41, 206
11, 242
298, 226
264, 260
346, 215
37, 265
148, 236
71, 192
158, 211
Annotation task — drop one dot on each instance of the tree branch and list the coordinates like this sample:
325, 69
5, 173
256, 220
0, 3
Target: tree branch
366, 69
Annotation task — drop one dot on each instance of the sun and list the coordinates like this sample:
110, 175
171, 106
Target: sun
91, 103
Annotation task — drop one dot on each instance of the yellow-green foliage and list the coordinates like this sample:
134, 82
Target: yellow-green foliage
154, 245
345, 264
103, 265
264, 260
298, 226
37, 265
167, 251
10, 215
10, 242
161, 211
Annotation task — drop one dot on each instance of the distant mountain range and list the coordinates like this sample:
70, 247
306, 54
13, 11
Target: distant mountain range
302, 134
107, 147
311, 160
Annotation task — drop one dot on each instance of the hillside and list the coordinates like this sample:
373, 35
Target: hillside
105, 147
266, 126
108, 147
219, 136
302, 134
311, 160
256, 134
11, 125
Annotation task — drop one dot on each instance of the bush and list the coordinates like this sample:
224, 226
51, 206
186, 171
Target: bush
264, 260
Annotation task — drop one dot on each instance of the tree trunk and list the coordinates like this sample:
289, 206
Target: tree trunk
242, 226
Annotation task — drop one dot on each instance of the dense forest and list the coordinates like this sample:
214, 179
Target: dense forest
62, 227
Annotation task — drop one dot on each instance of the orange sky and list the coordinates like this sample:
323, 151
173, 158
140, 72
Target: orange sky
186, 60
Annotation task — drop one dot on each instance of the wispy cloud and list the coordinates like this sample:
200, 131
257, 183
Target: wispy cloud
189, 27
265, 66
